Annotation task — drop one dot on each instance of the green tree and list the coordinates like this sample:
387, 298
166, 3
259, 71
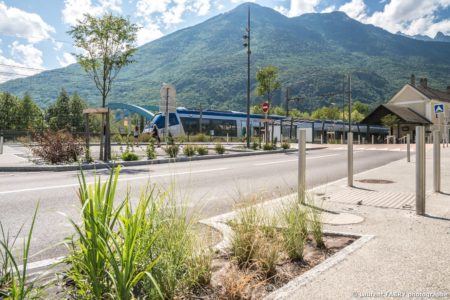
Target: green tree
267, 83
76, 113
389, 121
30, 114
108, 45
326, 113
58, 114
9, 109
360, 107
295, 113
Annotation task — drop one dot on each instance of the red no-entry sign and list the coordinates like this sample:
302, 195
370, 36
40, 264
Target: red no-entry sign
265, 107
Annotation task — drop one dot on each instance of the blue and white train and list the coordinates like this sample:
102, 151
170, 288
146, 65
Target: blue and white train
218, 123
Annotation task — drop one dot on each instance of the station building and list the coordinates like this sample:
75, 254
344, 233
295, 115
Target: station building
415, 105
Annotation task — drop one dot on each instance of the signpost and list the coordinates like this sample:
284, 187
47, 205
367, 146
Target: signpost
167, 104
265, 109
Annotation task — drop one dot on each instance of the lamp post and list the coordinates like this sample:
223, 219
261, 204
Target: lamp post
247, 45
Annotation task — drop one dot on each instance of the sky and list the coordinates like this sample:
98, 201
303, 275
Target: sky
33, 33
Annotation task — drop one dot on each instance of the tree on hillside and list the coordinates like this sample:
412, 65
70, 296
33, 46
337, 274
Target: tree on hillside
107, 45
360, 107
30, 114
267, 83
389, 121
9, 109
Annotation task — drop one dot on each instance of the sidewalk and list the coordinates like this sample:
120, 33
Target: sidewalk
18, 158
409, 253
399, 255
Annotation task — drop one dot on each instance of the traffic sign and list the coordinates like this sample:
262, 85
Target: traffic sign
438, 108
265, 107
168, 93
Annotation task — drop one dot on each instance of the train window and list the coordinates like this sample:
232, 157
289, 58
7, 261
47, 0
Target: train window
220, 127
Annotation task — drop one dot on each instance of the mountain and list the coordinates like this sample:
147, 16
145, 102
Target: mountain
439, 37
208, 64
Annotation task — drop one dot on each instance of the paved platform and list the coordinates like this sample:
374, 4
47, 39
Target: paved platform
409, 256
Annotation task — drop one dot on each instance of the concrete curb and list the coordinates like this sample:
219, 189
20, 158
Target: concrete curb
96, 166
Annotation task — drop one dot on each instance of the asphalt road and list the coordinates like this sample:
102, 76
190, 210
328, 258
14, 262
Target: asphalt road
208, 188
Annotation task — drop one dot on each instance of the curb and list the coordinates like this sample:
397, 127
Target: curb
96, 166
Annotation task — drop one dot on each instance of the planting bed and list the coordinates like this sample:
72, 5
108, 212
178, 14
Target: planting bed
228, 281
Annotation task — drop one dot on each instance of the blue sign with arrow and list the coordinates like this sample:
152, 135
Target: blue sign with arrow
438, 108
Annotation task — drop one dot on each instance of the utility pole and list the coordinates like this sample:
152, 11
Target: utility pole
349, 102
287, 102
247, 45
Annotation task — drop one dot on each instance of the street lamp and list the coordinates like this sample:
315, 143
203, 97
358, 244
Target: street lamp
247, 45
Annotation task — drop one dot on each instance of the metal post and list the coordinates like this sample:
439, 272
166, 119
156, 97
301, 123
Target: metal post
321, 139
408, 148
359, 139
166, 125
373, 139
248, 79
420, 170
436, 161
363, 140
350, 158
1, 144
301, 164
342, 138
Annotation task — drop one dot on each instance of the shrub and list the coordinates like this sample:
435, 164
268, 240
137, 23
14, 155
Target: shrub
172, 150
189, 150
255, 146
202, 150
268, 147
129, 156
285, 145
220, 149
144, 138
275, 142
57, 147
150, 151
117, 138
199, 138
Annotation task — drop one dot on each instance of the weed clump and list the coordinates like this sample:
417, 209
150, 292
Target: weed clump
220, 149
189, 150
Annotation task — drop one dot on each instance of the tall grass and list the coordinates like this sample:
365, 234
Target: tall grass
14, 283
295, 233
103, 257
316, 226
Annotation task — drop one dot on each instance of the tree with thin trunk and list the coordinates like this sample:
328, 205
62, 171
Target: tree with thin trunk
389, 121
267, 83
107, 44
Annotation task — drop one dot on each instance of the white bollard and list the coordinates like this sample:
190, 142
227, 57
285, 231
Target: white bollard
420, 170
301, 165
342, 139
408, 148
436, 162
350, 158
321, 139
1, 144
373, 139
359, 139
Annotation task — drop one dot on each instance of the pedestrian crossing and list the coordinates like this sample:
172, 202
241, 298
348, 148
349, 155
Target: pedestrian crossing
373, 149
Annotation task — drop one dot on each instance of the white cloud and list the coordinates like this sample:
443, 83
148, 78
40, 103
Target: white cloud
355, 9
16, 22
75, 9
329, 9
299, 7
148, 7
27, 55
148, 33
201, 7
23, 65
67, 59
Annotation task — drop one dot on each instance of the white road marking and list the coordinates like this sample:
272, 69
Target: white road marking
291, 160
43, 188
